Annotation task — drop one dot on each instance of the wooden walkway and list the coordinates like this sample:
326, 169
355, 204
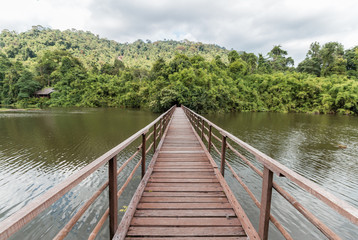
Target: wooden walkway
184, 198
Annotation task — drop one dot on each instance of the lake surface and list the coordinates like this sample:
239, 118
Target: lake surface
40, 149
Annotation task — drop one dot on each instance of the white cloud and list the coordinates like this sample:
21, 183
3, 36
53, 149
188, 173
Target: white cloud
253, 26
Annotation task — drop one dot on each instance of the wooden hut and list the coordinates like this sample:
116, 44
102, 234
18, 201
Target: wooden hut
46, 92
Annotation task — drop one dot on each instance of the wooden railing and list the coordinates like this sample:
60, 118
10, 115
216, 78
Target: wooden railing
205, 129
151, 133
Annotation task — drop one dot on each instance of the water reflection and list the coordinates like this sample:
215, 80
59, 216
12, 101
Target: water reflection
308, 144
40, 149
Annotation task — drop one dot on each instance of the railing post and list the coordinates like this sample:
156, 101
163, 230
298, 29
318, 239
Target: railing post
223, 151
143, 154
209, 141
154, 136
113, 203
161, 128
202, 129
265, 203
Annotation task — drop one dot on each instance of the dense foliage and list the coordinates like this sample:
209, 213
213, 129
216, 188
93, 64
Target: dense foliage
94, 51
216, 80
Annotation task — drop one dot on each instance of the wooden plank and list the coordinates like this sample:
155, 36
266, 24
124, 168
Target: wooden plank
181, 164
183, 199
183, 184
125, 223
183, 175
187, 238
185, 213
184, 159
186, 180
183, 205
185, 194
182, 147
247, 225
180, 155
332, 201
16, 221
191, 222
181, 189
183, 170
185, 231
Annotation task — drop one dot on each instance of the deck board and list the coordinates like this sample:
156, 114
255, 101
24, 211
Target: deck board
183, 198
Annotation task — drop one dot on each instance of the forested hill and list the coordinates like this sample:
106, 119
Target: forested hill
87, 71
93, 50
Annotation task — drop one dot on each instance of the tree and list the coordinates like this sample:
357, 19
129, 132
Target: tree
313, 62
351, 56
263, 65
332, 59
26, 85
278, 59
233, 56
251, 61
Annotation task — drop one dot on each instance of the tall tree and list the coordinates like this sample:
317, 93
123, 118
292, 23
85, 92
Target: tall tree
278, 59
332, 59
313, 62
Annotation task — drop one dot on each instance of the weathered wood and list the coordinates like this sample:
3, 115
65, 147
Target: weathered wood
154, 136
188, 238
223, 153
176, 199
16, 221
183, 183
191, 222
265, 203
332, 201
185, 213
125, 223
202, 129
247, 225
143, 154
113, 203
185, 231
183, 180
184, 194
209, 138
183, 189
112, 188
279, 226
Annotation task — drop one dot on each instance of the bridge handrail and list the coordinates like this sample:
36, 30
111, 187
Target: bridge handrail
272, 166
19, 219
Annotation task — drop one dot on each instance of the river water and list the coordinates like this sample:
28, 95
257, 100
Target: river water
40, 149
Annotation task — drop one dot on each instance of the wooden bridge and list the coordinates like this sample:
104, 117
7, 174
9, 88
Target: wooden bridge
183, 193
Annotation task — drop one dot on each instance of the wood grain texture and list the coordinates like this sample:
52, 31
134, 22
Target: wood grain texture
183, 198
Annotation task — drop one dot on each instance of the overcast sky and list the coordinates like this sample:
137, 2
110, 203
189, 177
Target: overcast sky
244, 25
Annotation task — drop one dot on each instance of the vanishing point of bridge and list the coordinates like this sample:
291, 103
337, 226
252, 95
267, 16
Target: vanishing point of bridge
183, 193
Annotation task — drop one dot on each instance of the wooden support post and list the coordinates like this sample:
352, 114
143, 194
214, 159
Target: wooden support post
265, 203
202, 129
161, 128
113, 203
154, 136
143, 154
209, 141
223, 151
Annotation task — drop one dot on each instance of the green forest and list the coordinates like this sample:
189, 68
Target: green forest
88, 71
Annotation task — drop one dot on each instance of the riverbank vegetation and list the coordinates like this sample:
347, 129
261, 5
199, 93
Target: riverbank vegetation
87, 71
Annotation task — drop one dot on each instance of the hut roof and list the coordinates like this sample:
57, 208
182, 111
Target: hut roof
45, 91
